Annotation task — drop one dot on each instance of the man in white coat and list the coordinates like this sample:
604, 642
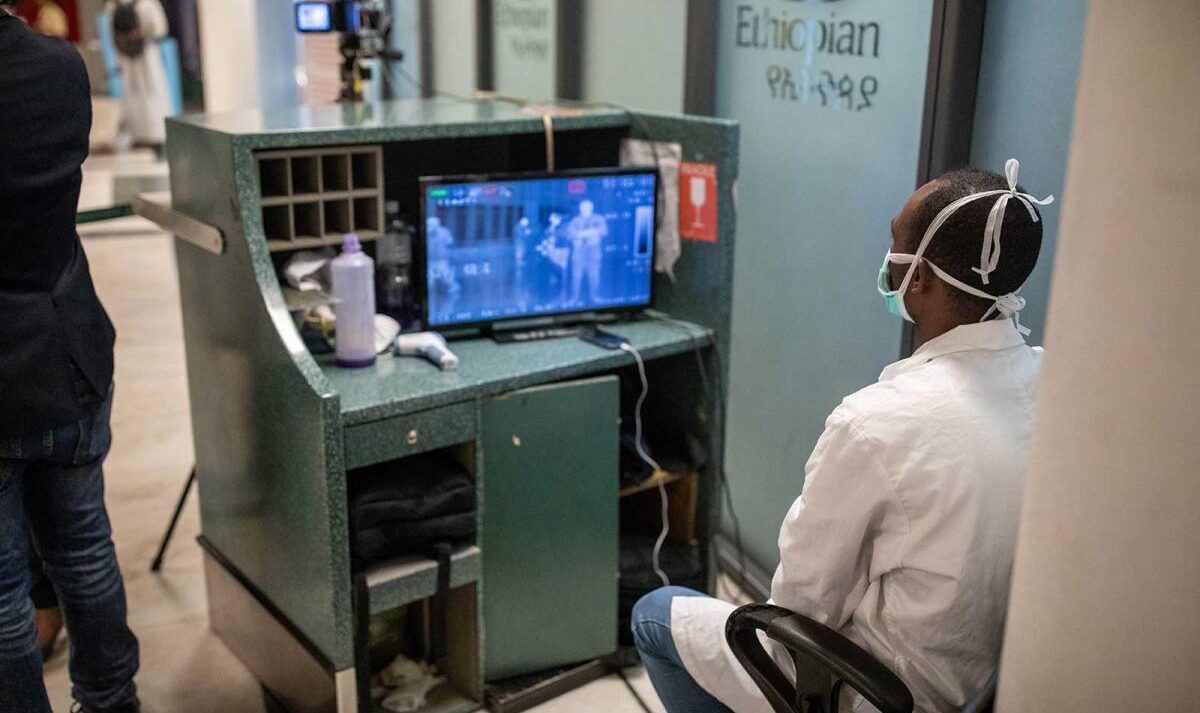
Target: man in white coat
146, 103
904, 533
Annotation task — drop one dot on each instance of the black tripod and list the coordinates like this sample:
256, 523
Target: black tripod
156, 565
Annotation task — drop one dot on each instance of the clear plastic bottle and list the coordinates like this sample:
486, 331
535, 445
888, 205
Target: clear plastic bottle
353, 274
395, 291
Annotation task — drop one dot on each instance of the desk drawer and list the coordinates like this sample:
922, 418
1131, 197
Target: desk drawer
410, 434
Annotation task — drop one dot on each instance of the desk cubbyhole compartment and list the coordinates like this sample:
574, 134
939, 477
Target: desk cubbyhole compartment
274, 177
382, 500
408, 631
335, 172
368, 216
677, 420
306, 220
277, 222
306, 175
337, 217
366, 166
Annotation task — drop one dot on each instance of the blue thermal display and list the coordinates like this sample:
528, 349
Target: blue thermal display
513, 249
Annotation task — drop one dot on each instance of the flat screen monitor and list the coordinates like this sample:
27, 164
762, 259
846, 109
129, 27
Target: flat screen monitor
314, 17
514, 247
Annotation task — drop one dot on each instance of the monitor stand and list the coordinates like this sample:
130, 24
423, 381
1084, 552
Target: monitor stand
537, 330
514, 336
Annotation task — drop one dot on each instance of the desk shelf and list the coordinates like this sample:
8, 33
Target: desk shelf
659, 476
394, 385
443, 699
410, 579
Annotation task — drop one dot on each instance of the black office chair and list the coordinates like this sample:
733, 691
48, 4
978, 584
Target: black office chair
825, 661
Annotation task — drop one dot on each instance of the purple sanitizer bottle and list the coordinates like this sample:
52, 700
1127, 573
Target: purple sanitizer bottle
353, 276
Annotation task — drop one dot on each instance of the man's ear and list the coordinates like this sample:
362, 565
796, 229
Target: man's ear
922, 278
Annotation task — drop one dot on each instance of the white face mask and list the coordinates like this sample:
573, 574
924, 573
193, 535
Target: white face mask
1008, 305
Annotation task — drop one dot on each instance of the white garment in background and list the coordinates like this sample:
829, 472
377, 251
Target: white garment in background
147, 100
904, 534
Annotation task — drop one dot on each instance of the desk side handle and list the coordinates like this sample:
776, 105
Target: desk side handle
156, 207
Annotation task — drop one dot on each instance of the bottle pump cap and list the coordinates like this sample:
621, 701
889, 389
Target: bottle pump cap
351, 244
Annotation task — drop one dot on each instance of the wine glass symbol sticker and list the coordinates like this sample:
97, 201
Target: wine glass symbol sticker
698, 197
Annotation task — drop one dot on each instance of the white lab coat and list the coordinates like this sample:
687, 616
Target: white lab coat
904, 533
147, 100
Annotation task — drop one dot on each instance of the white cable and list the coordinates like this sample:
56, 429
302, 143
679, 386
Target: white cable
641, 451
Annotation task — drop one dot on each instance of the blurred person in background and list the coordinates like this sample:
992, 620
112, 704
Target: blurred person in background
46, 16
138, 28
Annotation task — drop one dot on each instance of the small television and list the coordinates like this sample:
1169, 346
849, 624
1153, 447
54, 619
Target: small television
512, 248
314, 16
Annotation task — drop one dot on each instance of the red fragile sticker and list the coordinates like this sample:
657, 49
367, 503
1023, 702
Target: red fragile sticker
698, 201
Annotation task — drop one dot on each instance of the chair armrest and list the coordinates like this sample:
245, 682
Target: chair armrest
844, 659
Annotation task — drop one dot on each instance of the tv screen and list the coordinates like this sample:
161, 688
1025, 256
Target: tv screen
510, 248
314, 17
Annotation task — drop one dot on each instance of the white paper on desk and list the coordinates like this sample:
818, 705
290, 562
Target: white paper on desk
303, 269
666, 157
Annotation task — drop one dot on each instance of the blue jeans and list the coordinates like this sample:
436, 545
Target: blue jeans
52, 486
676, 688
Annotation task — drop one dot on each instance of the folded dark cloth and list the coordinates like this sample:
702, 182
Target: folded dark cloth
403, 507
394, 539
413, 489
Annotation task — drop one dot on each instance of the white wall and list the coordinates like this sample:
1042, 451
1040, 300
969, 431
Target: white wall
229, 46
1105, 611
249, 52
634, 52
1020, 117
455, 46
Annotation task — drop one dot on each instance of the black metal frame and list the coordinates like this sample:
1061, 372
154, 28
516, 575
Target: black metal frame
700, 65
157, 562
952, 83
425, 51
568, 50
485, 75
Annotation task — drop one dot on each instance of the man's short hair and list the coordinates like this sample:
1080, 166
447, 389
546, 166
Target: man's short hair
957, 245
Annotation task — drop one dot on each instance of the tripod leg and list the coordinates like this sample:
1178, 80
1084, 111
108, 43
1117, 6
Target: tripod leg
156, 565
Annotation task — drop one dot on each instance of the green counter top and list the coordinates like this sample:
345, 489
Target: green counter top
403, 385
398, 120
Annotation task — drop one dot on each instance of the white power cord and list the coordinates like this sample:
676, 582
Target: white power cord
641, 451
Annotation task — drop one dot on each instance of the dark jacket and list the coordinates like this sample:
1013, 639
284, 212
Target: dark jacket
50, 317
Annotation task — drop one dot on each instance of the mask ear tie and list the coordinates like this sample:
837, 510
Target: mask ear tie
989, 256
1010, 306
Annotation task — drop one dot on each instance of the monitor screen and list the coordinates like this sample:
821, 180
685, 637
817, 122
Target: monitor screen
552, 244
314, 17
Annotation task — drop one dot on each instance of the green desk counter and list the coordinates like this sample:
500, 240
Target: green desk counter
277, 431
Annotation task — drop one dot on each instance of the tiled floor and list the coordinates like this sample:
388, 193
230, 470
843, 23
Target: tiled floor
185, 669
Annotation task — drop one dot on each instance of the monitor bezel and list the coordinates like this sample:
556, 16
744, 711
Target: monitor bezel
420, 257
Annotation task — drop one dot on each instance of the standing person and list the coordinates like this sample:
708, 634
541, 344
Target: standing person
904, 534
586, 232
138, 28
47, 17
440, 240
56, 367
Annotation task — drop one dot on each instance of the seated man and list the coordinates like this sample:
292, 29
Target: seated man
904, 533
